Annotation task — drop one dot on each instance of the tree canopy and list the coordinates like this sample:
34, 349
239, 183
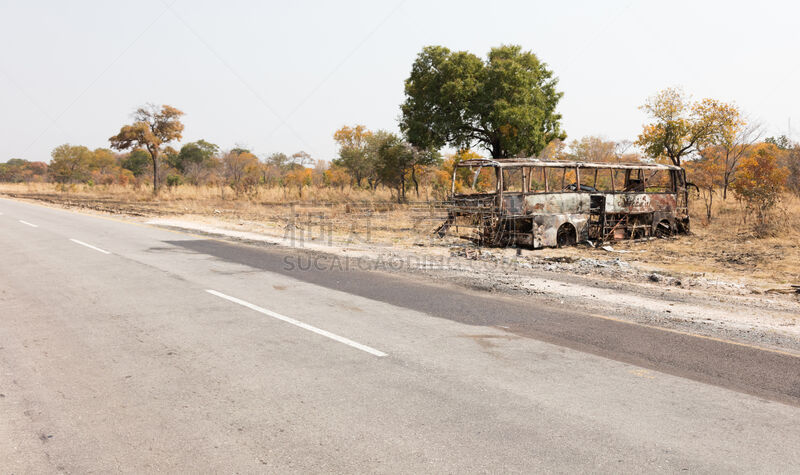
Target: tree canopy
153, 127
505, 105
681, 127
198, 153
353, 152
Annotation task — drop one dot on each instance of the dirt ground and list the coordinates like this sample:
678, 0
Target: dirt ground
719, 281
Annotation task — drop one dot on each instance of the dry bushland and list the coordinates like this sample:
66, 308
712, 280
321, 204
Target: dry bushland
726, 247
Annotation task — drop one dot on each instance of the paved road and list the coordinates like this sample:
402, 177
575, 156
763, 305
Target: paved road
131, 348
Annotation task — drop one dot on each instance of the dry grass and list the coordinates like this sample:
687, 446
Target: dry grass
205, 194
359, 215
726, 248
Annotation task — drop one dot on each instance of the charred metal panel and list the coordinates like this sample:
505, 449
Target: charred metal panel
556, 203
640, 202
544, 219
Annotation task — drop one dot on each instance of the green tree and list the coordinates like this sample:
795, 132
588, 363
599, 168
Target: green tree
137, 162
70, 163
13, 170
152, 128
195, 159
782, 142
396, 161
505, 105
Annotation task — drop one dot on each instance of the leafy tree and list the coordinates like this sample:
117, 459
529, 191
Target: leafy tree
555, 150
707, 174
18, 170
760, 183
238, 150
195, 160
103, 160
506, 104
397, 161
680, 128
197, 153
593, 149
299, 177
442, 179
302, 158
731, 142
70, 163
790, 159
318, 172
782, 142
152, 128
137, 162
240, 170
336, 176
354, 152
275, 168
278, 160
173, 181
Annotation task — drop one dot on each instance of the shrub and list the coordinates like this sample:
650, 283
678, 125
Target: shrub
759, 185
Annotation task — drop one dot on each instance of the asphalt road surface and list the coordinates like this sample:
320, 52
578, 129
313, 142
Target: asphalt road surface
131, 348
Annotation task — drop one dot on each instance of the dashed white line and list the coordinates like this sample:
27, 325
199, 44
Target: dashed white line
29, 224
90, 246
298, 323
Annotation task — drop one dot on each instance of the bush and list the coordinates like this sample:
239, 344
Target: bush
173, 181
759, 185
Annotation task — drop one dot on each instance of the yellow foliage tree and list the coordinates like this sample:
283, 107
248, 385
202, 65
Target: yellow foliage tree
299, 177
680, 127
759, 184
241, 170
153, 127
337, 176
707, 174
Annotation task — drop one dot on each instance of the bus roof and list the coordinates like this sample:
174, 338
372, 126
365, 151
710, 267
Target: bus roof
537, 162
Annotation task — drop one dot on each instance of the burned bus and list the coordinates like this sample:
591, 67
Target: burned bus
538, 203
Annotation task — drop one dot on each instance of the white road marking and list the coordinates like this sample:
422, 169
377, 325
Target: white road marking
29, 224
90, 246
298, 323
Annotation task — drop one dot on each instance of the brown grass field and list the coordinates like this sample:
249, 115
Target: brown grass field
726, 247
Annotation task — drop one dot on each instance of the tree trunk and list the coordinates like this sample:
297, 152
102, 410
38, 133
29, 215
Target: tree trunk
726, 181
497, 151
401, 192
710, 204
154, 156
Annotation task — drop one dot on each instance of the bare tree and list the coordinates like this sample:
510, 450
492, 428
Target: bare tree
733, 148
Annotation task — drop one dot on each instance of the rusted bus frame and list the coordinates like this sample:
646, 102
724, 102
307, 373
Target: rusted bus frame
501, 212
535, 162
523, 164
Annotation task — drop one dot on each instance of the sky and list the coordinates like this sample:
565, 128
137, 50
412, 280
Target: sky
283, 76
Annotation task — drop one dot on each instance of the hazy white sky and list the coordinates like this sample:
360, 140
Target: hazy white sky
283, 76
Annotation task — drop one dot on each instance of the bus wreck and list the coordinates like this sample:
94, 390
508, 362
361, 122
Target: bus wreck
536, 203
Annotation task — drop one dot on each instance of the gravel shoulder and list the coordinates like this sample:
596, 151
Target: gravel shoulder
601, 283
